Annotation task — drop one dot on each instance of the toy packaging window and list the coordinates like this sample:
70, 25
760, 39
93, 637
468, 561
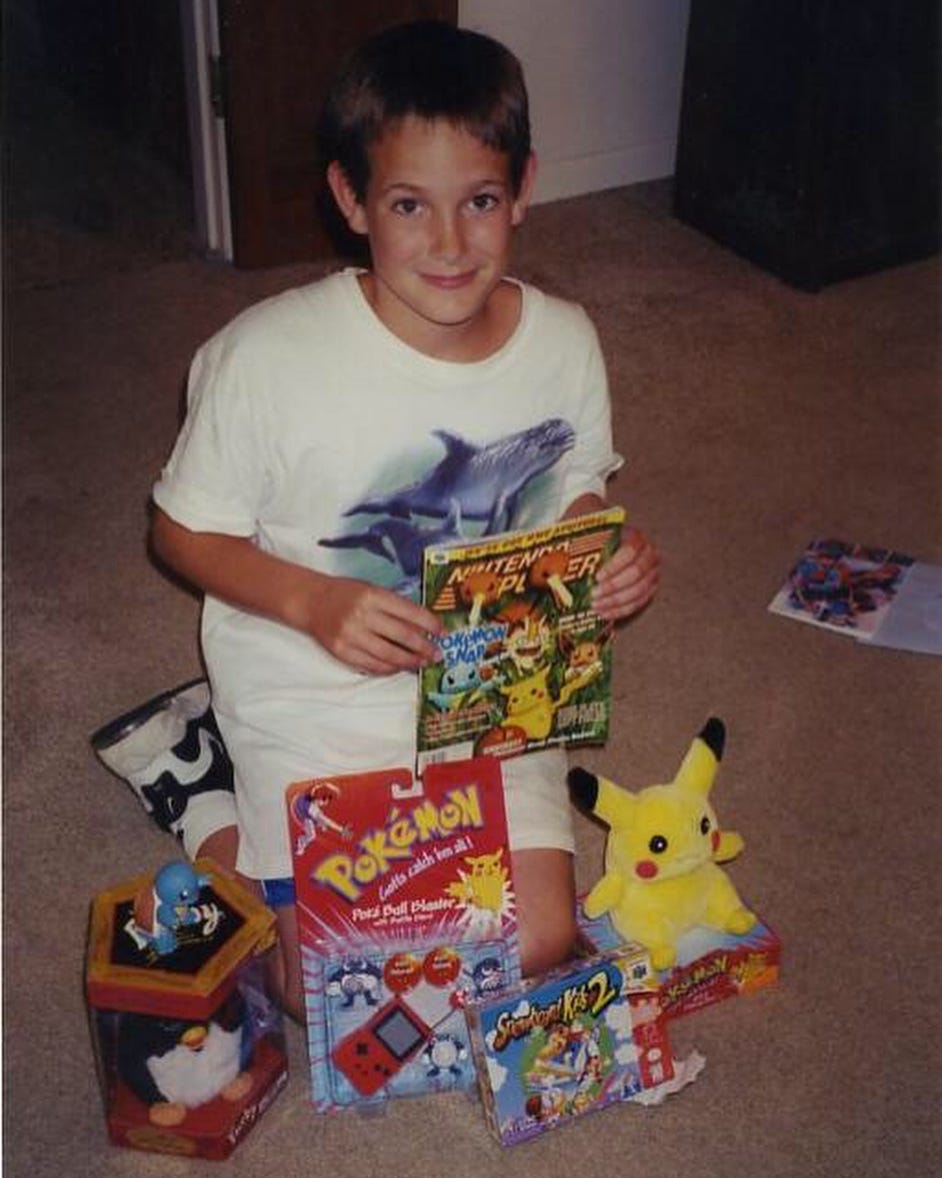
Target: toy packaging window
189, 1044
405, 912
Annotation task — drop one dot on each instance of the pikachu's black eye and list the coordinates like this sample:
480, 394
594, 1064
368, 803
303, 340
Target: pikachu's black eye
704, 825
657, 845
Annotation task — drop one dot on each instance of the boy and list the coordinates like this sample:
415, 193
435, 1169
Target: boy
334, 430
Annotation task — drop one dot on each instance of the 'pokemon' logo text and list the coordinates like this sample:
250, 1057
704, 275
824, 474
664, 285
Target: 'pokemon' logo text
700, 977
590, 997
381, 849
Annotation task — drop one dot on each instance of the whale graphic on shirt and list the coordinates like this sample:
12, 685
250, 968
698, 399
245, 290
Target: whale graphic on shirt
485, 481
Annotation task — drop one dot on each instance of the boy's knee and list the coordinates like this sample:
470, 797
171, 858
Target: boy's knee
547, 943
285, 968
222, 846
546, 908
289, 992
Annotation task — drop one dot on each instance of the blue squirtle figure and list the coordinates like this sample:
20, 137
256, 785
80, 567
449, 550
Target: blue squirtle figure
172, 903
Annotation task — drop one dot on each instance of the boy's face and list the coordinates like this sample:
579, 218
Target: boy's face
439, 213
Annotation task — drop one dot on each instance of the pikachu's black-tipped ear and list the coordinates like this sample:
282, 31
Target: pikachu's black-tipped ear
584, 788
713, 736
698, 768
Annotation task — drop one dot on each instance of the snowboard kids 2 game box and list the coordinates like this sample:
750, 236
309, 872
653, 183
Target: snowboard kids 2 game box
526, 660
405, 912
588, 1035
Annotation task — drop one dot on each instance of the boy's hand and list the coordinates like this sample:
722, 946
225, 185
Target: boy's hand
628, 581
370, 629
373, 630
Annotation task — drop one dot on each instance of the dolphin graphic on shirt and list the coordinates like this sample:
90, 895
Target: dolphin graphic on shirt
485, 481
401, 542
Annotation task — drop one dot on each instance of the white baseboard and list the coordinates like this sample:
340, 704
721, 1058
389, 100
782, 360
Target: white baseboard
558, 179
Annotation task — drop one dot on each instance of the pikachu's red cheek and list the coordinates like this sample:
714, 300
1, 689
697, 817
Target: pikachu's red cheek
645, 869
716, 839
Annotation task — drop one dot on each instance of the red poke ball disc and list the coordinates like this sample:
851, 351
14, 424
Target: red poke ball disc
401, 972
441, 967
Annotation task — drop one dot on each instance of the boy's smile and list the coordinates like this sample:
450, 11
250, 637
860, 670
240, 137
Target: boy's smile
439, 213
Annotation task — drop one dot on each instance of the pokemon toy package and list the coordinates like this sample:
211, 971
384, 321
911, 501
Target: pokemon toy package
526, 660
584, 1037
406, 911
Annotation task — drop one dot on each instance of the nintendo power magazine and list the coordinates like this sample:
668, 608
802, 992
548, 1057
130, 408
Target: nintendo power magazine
526, 659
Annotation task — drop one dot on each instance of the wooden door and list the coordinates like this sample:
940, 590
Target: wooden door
278, 57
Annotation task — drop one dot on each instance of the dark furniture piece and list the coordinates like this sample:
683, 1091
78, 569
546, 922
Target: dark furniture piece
809, 139
278, 59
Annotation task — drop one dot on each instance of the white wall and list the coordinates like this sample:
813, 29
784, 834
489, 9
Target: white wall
605, 80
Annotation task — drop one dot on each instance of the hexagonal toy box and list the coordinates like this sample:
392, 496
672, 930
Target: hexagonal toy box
189, 1044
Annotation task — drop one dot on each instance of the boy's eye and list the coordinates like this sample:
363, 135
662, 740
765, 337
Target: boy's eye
483, 202
406, 206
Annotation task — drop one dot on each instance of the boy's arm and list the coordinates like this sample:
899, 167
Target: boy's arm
626, 583
371, 629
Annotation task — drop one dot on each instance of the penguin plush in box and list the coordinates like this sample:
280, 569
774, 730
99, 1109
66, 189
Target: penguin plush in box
189, 1045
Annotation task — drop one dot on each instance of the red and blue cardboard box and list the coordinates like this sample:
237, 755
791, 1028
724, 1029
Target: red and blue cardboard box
189, 1046
711, 966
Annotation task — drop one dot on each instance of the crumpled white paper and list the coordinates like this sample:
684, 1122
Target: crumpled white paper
685, 1072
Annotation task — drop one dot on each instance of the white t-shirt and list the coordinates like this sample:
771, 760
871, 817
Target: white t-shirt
316, 431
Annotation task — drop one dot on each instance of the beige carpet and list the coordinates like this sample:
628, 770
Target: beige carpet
753, 418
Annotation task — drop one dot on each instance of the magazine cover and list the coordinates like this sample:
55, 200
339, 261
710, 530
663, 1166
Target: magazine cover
406, 911
526, 660
842, 586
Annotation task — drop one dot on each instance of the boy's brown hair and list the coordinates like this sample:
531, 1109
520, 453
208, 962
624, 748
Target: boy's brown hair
430, 70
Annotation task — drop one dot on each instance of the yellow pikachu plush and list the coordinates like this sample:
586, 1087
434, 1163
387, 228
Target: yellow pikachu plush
661, 858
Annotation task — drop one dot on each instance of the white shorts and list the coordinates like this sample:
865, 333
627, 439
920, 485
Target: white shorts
539, 813
536, 801
270, 741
